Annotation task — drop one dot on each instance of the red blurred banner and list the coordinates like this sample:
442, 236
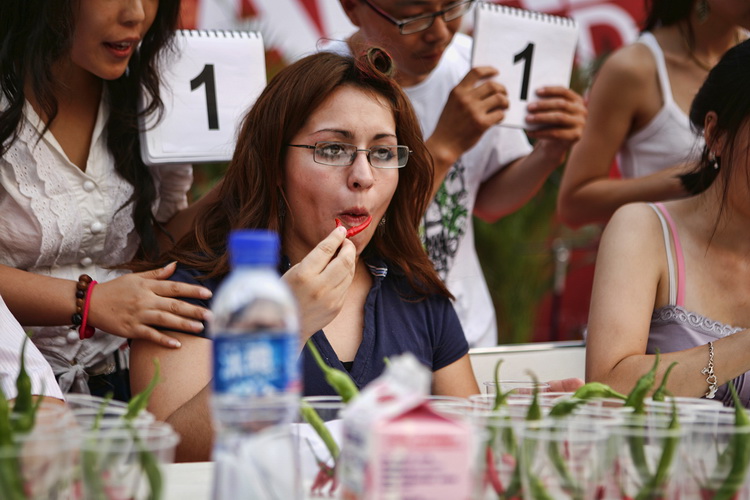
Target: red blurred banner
294, 26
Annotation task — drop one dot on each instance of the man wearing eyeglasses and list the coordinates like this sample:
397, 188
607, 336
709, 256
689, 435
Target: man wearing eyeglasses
479, 169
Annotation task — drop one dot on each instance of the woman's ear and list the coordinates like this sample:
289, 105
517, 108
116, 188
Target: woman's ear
714, 140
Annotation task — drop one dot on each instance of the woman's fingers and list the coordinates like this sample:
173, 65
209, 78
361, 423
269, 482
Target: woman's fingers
163, 318
179, 289
143, 332
161, 273
324, 252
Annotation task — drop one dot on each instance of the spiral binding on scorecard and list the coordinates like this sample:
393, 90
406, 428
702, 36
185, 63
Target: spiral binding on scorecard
530, 14
219, 33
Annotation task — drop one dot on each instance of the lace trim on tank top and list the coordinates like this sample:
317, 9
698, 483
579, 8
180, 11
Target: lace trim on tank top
672, 314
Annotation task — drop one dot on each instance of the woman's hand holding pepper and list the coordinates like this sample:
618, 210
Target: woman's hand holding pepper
320, 281
135, 305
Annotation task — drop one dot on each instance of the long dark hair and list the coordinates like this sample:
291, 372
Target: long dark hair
667, 13
724, 92
251, 194
34, 34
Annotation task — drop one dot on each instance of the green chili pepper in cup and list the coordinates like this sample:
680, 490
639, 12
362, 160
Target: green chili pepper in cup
738, 449
11, 482
654, 487
594, 390
661, 391
139, 402
642, 387
24, 402
507, 438
20, 419
635, 399
341, 382
311, 417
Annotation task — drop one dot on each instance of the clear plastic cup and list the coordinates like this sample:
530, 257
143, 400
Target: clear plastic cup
40, 464
318, 456
126, 462
563, 461
710, 456
646, 457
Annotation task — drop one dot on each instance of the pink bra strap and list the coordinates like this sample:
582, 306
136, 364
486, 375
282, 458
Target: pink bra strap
678, 252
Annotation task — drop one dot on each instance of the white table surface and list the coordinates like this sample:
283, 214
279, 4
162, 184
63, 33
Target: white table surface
188, 481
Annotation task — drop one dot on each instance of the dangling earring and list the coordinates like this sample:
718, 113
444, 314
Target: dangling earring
714, 161
702, 9
382, 222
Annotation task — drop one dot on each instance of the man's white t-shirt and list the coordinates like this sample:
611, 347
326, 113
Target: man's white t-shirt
448, 227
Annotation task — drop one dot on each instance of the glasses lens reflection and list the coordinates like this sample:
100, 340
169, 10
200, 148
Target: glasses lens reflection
423, 23
341, 154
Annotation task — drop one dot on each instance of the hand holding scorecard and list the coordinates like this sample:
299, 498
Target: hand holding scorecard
530, 50
208, 84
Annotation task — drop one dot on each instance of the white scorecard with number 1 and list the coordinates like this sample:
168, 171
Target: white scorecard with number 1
208, 84
530, 50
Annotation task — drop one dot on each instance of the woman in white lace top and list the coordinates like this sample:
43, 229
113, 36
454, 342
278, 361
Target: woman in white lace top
75, 196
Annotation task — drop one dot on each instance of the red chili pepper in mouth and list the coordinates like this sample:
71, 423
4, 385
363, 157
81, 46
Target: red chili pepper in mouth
352, 231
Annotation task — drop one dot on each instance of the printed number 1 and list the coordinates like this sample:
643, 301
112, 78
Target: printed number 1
526, 55
207, 77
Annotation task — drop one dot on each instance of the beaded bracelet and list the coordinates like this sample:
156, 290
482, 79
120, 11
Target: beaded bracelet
711, 380
86, 331
83, 296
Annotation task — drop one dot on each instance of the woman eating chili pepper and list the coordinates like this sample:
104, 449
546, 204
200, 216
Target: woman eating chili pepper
331, 138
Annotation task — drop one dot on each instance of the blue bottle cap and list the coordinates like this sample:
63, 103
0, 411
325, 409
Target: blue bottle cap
253, 247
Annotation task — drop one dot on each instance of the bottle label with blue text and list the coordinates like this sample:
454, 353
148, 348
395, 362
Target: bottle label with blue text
256, 365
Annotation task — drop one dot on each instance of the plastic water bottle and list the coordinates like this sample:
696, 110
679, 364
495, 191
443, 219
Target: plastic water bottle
256, 385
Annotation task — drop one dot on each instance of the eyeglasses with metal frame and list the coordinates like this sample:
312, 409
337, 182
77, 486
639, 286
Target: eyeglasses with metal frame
420, 23
341, 154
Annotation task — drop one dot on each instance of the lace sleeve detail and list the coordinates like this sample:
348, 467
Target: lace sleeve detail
50, 198
695, 321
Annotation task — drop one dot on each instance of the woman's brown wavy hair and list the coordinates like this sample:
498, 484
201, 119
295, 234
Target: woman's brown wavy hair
251, 194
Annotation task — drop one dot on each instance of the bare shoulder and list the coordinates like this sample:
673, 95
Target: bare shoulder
631, 65
634, 228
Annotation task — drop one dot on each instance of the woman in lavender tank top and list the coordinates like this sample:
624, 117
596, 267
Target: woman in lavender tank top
677, 276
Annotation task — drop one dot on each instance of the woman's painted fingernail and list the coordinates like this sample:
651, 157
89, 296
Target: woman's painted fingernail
206, 293
174, 343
